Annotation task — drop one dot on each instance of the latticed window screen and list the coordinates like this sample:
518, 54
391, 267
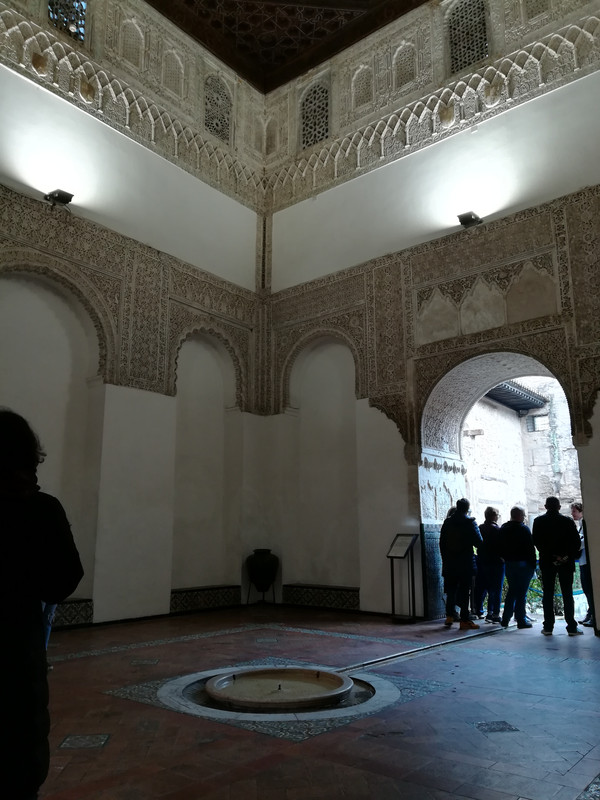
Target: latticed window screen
172, 73
363, 87
217, 108
467, 34
315, 115
132, 43
533, 8
68, 16
405, 71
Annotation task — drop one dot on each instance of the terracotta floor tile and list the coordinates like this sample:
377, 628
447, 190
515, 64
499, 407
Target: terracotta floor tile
426, 746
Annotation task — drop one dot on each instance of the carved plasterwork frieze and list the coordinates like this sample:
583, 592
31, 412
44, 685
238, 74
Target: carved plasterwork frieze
582, 233
588, 382
398, 64
139, 74
387, 357
186, 321
65, 234
144, 346
212, 295
129, 99
491, 299
320, 297
95, 292
467, 252
516, 77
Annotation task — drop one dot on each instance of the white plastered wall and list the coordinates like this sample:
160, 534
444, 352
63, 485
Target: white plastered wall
208, 439
135, 509
321, 538
384, 509
337, 479
174, 492
48, 357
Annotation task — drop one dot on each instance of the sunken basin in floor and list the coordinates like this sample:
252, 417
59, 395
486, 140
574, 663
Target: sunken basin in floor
285, 688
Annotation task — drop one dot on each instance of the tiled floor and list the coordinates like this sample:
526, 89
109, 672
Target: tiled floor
507, 715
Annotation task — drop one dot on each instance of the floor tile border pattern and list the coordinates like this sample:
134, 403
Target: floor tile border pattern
225, 632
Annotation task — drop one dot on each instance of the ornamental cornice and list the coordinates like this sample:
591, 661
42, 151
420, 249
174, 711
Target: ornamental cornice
261, 166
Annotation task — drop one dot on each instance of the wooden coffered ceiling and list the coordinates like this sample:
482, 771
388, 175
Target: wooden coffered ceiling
269, 43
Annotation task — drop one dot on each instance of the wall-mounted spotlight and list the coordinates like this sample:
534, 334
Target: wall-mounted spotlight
468, 219
58, 198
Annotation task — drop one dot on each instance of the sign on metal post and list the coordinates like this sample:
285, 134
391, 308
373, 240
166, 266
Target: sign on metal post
402, 549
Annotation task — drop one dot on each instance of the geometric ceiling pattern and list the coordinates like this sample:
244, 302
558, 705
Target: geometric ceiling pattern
269, 43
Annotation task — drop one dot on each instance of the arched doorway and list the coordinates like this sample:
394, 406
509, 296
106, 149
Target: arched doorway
443, 475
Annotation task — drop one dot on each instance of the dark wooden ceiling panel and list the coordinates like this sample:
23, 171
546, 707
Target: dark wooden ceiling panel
269, 43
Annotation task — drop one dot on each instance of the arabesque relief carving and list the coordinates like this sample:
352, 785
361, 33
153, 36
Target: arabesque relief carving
139, 74
145, 304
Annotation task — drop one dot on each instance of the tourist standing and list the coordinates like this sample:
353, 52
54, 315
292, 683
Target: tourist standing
557, 540
518, 552
584, 567
458, 537
490, 567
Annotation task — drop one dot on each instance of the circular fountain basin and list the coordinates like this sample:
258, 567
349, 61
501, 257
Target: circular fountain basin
286, 688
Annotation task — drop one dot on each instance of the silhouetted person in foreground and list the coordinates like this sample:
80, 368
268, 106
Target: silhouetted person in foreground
557, 540
39, 563
458, 537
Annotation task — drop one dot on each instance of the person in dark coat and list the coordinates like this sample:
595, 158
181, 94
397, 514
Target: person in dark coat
458, 537
557, 540
518, 552
39, 563
490, 567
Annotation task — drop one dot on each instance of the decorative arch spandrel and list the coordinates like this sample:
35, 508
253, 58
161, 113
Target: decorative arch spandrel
395, 408
97, 293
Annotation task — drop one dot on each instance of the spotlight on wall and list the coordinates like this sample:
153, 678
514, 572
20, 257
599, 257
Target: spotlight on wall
58, 198
468, 219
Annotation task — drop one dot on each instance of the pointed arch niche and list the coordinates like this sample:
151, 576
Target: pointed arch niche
443, 476
49, 362
205, 532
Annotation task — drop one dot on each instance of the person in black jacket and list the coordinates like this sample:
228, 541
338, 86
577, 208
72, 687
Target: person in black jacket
39, 563
490, 567
458, 537
518, 552
557, 540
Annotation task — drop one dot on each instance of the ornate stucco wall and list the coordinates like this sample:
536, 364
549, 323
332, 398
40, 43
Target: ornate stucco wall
429, 328
139, 74
524, 284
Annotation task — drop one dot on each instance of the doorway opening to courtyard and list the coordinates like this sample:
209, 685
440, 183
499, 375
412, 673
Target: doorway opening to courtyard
495, 429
